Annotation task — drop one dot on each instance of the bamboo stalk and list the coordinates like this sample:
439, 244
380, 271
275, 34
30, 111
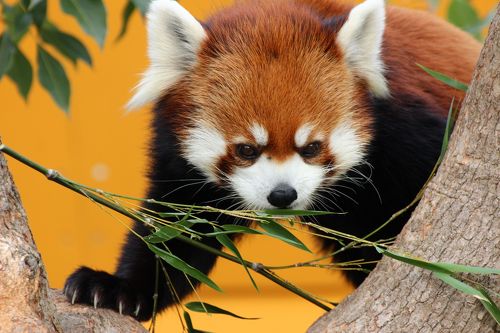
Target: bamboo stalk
56, 177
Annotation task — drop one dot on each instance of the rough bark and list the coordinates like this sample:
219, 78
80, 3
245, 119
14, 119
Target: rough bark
457, 220
26, 302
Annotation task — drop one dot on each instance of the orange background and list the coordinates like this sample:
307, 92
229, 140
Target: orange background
100, 145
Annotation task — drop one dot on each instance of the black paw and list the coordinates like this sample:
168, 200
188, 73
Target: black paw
102, 290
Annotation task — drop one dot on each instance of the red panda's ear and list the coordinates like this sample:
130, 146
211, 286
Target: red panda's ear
360, 38
174, 37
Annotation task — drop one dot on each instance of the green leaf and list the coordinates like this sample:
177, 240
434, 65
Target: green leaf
142, 5
478, 28
7, 50
291, 212
277, 231
459, 285
18, 21
68, 45
126, 14
53, 78
457, 268
33, 3
184, 267
490, 305
39, 12
209, 308
91, 15
21, 73
414, 261
228, 243
445, 79
167, 232
450, 122
462, 14
442, 267
189, 324
483, 297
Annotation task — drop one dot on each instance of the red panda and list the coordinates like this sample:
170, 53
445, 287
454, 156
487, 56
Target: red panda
301, 104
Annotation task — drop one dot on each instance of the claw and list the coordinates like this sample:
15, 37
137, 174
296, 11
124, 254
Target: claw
73, 298
137, 309
96, 299
120, 307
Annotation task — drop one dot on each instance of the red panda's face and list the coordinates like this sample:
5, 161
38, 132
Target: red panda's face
276, 114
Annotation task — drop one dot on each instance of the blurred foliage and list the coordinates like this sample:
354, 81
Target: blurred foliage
462, 14
29, 17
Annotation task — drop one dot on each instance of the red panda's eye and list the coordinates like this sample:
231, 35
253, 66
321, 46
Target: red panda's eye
311, 150
247, 152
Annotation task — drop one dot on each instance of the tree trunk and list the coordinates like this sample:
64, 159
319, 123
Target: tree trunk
457, 220
26, 302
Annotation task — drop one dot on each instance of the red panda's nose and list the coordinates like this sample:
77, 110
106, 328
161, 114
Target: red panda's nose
282, 196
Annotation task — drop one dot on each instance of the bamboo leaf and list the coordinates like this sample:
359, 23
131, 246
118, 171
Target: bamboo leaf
189, 324
68, 45
167, 232
91, 15
444, 270
445, 79
459, 285
414, 261
450, 122
457, 268
142, 5
209, 308
442, 267
228, 243
277, 231
7, 50
184, 267
21, 73
490, 305
126, 14
53, 78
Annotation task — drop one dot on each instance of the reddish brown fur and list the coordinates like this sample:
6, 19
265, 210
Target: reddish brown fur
416, 37
276, 64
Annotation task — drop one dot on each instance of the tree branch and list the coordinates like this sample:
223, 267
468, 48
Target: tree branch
26, 302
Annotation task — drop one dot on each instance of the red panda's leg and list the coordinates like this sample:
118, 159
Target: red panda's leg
131, 289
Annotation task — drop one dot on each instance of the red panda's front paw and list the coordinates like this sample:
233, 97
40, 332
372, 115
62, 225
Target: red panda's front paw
103, 290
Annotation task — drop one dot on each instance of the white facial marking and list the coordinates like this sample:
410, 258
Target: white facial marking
174, 37
203, 148
361, 40
254, 184
239, 139
260, 134
346, 146
302, 134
